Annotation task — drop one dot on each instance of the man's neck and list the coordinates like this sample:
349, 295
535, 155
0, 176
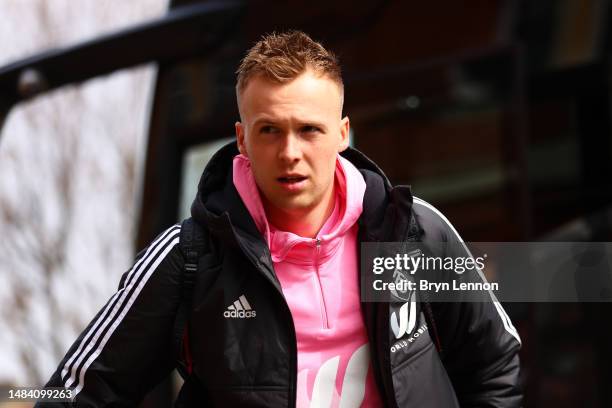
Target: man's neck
305, 223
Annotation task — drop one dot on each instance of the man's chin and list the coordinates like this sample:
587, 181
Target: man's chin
296, 206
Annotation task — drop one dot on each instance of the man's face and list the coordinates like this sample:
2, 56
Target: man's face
292, 133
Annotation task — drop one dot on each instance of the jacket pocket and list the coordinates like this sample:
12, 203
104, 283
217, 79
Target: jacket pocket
410, 344
421, 380
194, 394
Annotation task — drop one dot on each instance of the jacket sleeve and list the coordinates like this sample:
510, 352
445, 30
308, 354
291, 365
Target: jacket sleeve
479, 343
128, 347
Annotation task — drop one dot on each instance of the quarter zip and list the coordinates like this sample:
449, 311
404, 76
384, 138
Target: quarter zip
324, 316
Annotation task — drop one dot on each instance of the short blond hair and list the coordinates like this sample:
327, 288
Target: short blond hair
283, 57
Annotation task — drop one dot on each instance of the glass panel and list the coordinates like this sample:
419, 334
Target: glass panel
70, 172
195, 159
43, 24
447, 131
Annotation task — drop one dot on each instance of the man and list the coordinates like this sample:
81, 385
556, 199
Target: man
277, 318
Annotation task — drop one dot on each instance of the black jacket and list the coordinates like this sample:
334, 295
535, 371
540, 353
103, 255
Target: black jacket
128, 347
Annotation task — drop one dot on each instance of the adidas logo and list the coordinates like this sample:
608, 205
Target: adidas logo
241, 309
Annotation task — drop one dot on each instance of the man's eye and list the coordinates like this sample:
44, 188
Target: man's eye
310, 129
268, 129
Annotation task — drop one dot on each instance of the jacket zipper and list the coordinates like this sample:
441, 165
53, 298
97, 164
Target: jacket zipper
293, 365
293, 345
324, 316
381, 368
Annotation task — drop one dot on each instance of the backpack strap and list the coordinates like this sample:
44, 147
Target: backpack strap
193, 243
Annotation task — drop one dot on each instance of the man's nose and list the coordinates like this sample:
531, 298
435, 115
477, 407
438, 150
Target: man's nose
290, 149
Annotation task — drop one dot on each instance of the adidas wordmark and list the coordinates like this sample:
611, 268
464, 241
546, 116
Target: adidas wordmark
240, 309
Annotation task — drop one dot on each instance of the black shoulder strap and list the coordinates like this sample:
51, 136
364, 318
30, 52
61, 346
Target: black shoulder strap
414, 234
193, 244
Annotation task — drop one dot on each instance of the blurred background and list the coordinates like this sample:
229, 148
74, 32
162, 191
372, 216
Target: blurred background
497, 112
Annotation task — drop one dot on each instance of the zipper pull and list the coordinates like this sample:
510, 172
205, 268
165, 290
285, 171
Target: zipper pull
317, 242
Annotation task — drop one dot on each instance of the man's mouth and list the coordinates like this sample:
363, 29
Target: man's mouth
291, 179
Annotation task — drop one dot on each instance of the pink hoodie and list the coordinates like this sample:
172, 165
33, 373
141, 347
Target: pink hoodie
320, 281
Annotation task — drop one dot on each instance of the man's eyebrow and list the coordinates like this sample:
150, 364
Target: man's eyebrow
271, 121
265, 120
312, 123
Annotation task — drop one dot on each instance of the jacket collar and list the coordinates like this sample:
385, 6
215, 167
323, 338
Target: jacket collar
218, 204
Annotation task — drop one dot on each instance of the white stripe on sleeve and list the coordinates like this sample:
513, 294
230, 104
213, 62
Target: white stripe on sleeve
115, 303
500, 310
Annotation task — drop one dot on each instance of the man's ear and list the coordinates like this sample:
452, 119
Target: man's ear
345, 128
240, 138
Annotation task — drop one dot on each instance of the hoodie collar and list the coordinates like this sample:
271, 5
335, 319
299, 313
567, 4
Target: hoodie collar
284, 245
